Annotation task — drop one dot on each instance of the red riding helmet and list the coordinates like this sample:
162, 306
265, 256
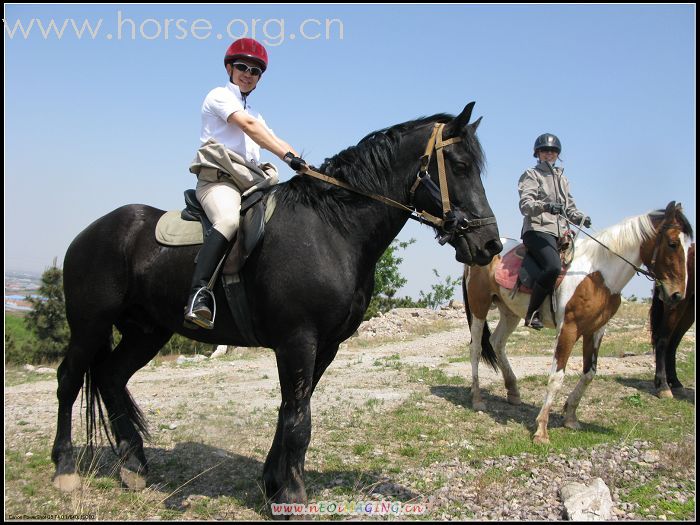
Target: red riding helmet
247, 48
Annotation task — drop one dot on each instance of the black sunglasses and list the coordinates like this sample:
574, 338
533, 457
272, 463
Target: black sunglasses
243, 68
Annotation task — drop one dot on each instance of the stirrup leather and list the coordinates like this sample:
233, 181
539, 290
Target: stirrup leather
199, 321
536, 317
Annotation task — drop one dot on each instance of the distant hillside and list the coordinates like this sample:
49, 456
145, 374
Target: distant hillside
18, 285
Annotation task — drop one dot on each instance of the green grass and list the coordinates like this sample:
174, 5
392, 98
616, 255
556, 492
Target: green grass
427, 429
15, 327
648, 496
433, 376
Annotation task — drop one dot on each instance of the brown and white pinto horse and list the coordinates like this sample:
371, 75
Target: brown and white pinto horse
586, 299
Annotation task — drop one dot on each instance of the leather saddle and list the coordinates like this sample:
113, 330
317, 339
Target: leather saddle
518, 270
248, 235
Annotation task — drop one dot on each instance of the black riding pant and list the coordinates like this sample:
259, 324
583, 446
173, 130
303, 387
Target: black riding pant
543, 248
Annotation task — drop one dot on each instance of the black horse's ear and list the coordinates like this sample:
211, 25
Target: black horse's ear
462, 120
475, 124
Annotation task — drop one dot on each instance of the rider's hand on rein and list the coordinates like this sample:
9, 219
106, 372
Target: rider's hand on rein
296, 163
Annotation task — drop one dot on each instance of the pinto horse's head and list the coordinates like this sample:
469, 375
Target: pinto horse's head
454, 157
667, 255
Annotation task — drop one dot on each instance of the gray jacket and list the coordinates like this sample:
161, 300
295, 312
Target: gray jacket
538, 187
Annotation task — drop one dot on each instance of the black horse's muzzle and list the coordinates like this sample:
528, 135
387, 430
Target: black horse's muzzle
456, 223
468, 243
668, 297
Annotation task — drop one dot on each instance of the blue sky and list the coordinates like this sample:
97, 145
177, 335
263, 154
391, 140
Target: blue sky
113, 118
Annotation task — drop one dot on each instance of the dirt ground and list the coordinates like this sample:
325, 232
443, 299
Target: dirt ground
252, 380
241, 389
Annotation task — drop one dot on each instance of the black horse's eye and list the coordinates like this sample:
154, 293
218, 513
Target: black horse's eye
461, 167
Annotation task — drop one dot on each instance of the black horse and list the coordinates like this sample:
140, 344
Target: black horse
668, 326
309, 283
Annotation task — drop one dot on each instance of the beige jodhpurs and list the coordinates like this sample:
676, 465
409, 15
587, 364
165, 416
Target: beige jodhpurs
222, 203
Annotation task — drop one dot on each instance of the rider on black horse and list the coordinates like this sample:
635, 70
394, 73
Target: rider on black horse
228, 119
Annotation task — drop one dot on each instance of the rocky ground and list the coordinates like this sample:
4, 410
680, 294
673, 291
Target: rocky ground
535, 495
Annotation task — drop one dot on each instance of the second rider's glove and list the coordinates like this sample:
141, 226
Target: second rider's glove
554, 208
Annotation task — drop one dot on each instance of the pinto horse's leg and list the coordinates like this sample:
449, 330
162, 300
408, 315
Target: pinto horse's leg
136, 348
591, 346
71, 372
565, 343
477, 329
283, 472
507, 323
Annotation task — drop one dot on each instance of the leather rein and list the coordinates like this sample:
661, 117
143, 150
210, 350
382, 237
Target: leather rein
649, 274
449, 223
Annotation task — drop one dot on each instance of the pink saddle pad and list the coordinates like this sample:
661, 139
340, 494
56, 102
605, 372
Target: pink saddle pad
507, 270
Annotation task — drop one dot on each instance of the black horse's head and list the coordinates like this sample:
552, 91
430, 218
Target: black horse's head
453, 158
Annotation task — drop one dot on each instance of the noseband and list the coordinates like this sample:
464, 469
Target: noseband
453, 222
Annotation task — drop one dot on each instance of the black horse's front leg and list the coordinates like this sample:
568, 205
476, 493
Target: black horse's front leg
681, 327
283, 473
660, 382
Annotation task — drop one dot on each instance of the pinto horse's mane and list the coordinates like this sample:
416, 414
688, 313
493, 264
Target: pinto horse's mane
629, 233
366, 166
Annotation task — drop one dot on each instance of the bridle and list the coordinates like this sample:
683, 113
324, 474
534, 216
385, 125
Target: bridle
453, 222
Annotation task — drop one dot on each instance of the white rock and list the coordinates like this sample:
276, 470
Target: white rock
219, 352
590, 502
651, 456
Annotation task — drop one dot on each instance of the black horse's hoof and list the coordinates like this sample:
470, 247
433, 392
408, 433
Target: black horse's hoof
66, 482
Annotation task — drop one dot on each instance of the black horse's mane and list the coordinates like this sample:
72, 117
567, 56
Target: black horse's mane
365, 166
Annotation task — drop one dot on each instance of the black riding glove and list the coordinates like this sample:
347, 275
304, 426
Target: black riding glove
296, 163
555, 208
586, 222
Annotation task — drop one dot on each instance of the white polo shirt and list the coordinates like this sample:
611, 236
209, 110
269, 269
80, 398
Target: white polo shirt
216, 108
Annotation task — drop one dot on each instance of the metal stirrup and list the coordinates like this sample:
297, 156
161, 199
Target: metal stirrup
191, 315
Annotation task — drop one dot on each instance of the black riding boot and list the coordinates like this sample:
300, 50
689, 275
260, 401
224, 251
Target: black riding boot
532, 318
201, 302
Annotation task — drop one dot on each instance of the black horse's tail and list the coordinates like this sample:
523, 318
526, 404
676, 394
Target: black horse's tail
487, 352
96, 418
